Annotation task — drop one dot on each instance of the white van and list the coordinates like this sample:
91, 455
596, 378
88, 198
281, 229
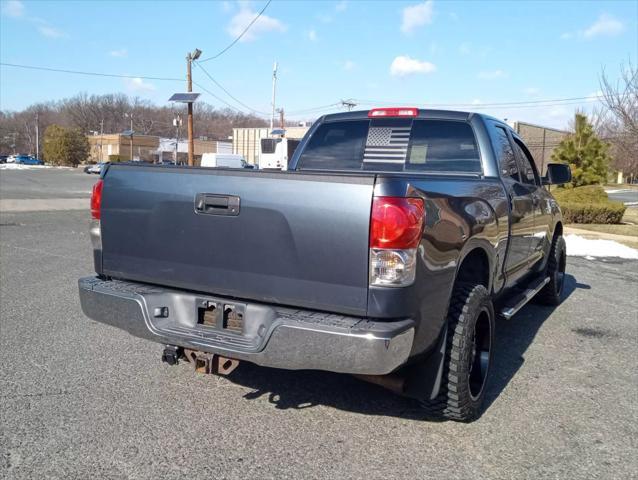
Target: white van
227, 160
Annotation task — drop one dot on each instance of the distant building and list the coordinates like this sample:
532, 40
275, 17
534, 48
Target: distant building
246, 141
149, 148
117, 148
166, 149
541, 141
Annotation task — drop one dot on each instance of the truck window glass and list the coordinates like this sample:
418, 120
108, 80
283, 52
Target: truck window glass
527, 163
336, 146
442, 146
268, 145
434, 146
505, 153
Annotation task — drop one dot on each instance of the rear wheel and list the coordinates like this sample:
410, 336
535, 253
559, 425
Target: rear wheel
469, 351
551, 293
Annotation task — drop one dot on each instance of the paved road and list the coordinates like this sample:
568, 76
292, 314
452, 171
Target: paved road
45, 183
625, 195
81, 400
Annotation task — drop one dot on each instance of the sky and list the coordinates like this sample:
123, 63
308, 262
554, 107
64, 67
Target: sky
461, 55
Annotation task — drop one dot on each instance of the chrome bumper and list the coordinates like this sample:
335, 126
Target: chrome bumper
271, 336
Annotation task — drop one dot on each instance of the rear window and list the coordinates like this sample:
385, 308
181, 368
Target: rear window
269, 145
394, 145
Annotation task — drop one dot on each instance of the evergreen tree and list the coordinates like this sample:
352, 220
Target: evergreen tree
585, 152
65, 146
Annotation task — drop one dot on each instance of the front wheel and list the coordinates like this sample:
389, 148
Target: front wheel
469, 352
551, 293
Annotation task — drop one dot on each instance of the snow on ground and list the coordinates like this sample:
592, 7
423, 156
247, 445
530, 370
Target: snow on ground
19, 166
578, 246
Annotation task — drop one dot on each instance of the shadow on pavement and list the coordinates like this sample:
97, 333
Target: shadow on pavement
287, 389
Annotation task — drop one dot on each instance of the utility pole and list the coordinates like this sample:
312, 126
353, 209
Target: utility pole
37, 137
189, 87
282, 123
101, 140
274, 87
349, 104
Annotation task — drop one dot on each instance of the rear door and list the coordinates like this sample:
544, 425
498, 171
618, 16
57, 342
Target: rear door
281, 237
521, 203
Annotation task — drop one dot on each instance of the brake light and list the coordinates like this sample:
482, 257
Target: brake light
393, 112
396, 222
96, 199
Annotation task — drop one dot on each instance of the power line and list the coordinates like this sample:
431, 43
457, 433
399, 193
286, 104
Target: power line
240, 35
94, 74
556, 100
218, 98
226, 91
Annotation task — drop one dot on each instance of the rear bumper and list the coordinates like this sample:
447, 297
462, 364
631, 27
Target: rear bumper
271, 336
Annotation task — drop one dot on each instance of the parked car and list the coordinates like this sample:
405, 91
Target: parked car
3, 158
387, 250
27, 160
95, 168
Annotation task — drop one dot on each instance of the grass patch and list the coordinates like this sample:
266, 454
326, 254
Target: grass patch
631, 215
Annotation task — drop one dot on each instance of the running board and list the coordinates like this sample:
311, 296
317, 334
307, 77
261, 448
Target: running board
509, 311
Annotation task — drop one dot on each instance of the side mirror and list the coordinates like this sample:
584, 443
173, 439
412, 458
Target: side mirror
557, 174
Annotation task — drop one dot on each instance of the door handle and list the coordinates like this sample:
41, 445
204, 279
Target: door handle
215, 204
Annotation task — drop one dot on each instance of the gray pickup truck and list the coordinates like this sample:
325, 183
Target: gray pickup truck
386, 250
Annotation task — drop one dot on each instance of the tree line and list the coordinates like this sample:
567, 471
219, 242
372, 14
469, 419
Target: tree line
111, 113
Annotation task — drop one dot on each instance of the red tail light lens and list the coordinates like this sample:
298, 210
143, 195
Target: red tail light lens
393, 112
396, 222
96, 199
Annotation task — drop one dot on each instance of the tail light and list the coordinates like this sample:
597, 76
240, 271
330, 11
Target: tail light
395, 231
393, 112
95, 231
96, 199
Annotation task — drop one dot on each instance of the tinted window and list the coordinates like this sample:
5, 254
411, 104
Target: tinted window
506, 157
336, 146
527, 163
268, 145
442, 146
391, 145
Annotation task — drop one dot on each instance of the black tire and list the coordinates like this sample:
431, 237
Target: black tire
552, 292
468, 357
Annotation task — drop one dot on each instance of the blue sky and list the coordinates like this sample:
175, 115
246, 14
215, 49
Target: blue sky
413, 53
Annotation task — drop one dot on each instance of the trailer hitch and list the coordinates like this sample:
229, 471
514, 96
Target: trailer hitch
210, 363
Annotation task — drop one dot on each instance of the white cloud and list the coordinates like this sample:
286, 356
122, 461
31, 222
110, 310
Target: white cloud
121, 53
477, 101
263, 24
532, 91
417, 15
404, 65
341, 6
138, 84
50, 32
606, 25
312, 35
492, 75
13, 8
349, 65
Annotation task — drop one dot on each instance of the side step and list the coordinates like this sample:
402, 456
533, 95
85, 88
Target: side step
519, 301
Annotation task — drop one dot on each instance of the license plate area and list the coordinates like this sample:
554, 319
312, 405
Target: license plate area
220, 315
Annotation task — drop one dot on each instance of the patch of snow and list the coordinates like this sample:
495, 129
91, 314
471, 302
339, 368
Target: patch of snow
20, 166
578, 246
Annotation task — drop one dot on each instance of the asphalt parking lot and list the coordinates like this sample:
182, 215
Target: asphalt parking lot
81, 400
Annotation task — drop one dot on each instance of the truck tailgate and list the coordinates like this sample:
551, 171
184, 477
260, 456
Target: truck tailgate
294, 238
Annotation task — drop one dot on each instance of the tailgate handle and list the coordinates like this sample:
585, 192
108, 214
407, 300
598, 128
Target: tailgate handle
214, 204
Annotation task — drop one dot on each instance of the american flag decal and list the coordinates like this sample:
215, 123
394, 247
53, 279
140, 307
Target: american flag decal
387, 144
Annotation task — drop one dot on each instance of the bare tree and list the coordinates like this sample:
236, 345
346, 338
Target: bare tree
618, 122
